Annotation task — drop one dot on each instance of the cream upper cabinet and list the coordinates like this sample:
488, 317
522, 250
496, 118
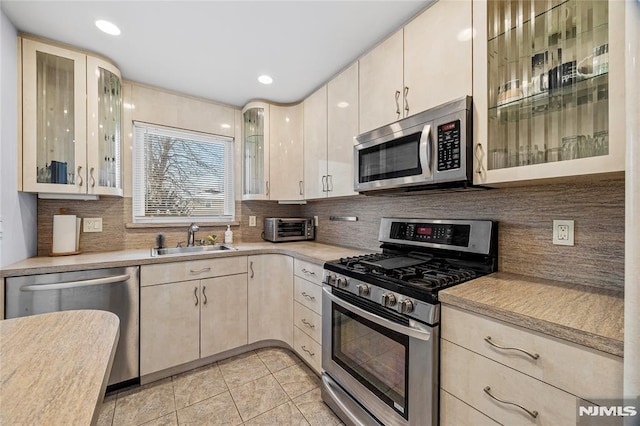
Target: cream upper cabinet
437, 56
255, 151
71, 122
285, 153
315, 144
381, 84
270, 289
343, 104
548, 89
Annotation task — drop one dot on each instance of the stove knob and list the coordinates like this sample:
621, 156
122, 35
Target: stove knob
341, 282
331, 278
388, 299
363, 290
405, 306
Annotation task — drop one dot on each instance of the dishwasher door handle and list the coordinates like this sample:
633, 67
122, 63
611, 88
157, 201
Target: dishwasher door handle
73, 284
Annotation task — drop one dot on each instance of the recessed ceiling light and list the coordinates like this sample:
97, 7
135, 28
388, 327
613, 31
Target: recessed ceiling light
108, 27
342, 104
265, 79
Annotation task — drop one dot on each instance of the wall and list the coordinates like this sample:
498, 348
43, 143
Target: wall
17, 210
525, 216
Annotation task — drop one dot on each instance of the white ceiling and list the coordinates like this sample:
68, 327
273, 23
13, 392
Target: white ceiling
217, 49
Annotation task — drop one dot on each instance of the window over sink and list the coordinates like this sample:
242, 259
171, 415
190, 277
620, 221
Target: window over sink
181, 175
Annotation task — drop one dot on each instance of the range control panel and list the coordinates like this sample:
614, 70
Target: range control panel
449, 146
449, 234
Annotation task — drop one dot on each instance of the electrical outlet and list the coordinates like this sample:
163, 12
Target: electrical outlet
315, 221
563, 232
92, 224
252, 221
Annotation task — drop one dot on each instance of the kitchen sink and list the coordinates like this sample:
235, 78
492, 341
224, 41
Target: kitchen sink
188, 250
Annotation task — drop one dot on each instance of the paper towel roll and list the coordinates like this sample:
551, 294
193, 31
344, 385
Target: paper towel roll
64, 233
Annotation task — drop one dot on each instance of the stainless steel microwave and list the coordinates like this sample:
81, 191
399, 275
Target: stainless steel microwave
277, 229
432, 149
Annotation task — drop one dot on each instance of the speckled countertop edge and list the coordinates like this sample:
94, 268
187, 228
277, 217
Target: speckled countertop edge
580, 314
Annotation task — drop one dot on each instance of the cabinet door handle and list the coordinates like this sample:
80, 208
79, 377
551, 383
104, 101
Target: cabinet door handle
308, 272
267, 185
478, 153
93, 180
199, 271
324, 183
506, 348
80, 180
195, 294
308, 296
304, 348
406, 101
307, 323
300, 185
204, 293
533, 413
329, 183
398, 103
251, 268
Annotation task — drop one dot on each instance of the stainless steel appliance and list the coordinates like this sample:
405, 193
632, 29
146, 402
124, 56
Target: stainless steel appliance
114, 290
381, 316
278, 229
428, 150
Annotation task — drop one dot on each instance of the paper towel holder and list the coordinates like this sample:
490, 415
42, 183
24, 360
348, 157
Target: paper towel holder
63, 211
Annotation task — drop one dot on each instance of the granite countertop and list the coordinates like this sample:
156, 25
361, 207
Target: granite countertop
54, 367
585, 315
305, 250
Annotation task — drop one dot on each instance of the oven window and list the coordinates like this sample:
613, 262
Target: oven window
396, 158
376, 356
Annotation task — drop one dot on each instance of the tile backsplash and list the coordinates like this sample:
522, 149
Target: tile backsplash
525, 216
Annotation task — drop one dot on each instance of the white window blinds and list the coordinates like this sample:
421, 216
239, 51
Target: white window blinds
181, 175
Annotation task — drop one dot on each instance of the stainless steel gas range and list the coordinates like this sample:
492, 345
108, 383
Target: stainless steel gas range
381, 316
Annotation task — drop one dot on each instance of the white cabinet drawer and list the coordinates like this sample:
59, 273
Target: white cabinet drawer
308, 349
309, 294
579, 370
466, 375
191, 270
308, 271
454, 412
308, 321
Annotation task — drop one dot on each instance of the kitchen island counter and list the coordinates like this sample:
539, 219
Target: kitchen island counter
54, 367
584, 315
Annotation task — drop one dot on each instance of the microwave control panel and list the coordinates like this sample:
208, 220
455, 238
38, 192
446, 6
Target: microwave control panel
449, 146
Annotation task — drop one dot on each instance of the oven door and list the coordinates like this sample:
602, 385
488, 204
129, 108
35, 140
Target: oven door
387, 363
403, 158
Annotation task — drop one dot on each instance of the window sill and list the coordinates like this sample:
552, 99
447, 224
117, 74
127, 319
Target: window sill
178, 225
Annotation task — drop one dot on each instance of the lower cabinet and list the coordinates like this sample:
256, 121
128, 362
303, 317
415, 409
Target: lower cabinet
270, 301
307, 313
454, 412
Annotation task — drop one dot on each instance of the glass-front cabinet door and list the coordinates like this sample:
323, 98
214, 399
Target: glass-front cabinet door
54, 119
104, 124
255, 151
549, 91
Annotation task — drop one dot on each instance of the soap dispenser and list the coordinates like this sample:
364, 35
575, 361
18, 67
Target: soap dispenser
228, 235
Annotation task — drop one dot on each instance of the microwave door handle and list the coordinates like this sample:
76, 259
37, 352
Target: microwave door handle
73, 284
426, 146
408, 331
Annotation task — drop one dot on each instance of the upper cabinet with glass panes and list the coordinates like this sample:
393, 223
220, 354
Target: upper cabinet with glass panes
71, 122
548, 89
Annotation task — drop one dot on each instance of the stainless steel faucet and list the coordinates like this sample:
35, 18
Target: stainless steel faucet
193, 228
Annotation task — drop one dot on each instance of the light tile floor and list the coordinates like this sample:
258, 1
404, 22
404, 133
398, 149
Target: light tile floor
268, 386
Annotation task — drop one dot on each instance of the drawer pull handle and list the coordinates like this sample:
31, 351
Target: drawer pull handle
199, 271
529, 354
308, 272
307, 323
304, 348
533, 413
308, 296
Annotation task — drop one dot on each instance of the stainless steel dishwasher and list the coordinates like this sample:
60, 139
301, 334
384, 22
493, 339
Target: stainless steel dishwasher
114, 289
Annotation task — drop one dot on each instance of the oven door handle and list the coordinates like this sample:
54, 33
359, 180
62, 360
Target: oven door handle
408, 331
73, 284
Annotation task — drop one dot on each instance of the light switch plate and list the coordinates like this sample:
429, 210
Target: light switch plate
252, 221
92, 224
563, 232
315, 221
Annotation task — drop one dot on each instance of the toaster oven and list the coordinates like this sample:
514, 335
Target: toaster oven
277, 229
